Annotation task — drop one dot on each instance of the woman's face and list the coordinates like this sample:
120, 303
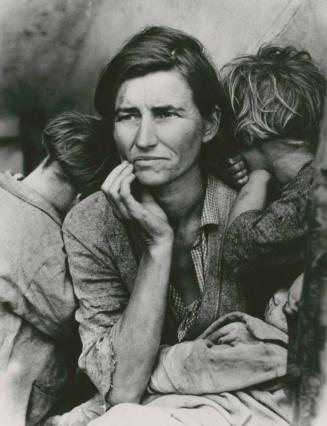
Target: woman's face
158, 128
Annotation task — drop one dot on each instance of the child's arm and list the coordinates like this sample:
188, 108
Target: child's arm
253, 195
275, 235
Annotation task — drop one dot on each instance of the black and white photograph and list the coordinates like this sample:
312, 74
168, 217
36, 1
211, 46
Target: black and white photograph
163, 213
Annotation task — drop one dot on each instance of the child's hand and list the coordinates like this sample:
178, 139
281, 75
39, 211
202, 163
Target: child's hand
235, 172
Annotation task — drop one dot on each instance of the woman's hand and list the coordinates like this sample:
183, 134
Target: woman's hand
147, 215
231, 334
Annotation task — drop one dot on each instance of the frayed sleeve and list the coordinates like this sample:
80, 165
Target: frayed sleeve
102, 298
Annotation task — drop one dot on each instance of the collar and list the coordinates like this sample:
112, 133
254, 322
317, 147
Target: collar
210, 212
30, 196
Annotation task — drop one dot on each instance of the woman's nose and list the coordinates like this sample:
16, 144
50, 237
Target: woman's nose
146, 135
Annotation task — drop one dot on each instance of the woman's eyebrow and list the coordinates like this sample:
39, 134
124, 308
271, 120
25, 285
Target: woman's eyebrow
126, 110
167, 107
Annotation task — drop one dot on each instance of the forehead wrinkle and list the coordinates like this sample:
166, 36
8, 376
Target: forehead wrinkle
154, 90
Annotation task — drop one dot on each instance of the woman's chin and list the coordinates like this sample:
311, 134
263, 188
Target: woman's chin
151, 178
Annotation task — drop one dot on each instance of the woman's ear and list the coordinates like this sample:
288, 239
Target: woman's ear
211, 125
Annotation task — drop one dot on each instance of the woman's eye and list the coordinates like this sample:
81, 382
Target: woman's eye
167, 114
126, 117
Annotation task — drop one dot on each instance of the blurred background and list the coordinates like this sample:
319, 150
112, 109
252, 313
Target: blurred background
52, 51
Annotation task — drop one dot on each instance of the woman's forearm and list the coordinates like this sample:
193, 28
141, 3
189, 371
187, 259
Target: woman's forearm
138, 337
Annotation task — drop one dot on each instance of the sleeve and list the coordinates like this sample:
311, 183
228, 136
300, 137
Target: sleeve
274, 236
45, 295
102, 298
201, 367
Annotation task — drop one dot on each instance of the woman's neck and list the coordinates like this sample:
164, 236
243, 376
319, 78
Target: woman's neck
182, 199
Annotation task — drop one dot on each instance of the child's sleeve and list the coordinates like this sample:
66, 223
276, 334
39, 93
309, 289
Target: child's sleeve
275, 235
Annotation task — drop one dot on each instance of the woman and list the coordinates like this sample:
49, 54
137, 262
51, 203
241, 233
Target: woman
145, 252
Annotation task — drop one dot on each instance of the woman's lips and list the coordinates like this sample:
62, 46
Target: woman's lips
147, 161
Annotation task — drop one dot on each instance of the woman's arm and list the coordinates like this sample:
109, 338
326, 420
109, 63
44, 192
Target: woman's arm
235, 352
139, 333
121, 333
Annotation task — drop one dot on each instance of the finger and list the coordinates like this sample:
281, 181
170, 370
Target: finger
228, 338
237, 167
125, 185
113, 186
241, 174
216, 335
134, 208
116, 184
112, 192
125, 193
234, 160
242, 182
210, 330
110, 179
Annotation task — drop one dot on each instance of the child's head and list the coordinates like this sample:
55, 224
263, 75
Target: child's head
279, 93
77, 142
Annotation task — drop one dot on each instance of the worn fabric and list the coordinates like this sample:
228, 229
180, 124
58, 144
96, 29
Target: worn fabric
203, 367
103, 257
209, 384
225, 409
212, 215
37, 304
264, 249
221, 374
80, 415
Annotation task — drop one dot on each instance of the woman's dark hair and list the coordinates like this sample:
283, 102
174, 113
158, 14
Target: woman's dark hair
160, 49
79, 144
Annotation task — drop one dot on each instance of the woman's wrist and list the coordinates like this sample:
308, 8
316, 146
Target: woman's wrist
164, 245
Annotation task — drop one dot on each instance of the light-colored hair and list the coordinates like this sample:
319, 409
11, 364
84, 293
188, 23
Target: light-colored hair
277, 93
79, 144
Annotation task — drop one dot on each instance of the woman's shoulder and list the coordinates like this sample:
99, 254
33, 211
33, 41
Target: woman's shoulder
93, 214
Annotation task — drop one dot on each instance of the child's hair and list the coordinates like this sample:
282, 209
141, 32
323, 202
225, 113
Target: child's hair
79, 144
277, 93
